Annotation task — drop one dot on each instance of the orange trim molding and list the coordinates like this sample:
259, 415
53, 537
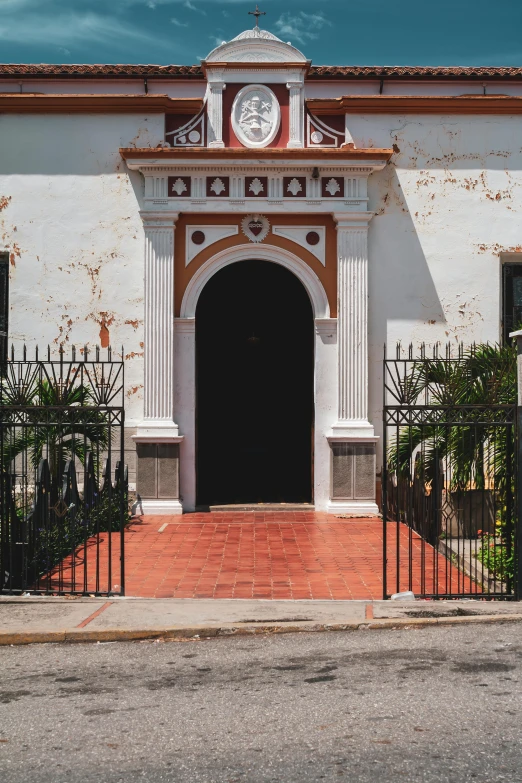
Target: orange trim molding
26, 103
417, 104
267, 153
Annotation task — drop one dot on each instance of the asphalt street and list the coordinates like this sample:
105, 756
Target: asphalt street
438, 704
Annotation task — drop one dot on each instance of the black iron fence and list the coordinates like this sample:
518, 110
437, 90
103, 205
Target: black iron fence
450, 472
63, 483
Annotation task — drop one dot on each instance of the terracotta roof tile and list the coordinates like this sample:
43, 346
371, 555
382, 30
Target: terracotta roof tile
156, 71
317, 71
404, 71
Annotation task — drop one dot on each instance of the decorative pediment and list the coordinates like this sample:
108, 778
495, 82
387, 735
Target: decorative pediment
255, 46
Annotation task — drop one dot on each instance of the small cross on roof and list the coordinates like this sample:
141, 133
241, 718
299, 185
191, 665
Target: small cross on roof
257, 13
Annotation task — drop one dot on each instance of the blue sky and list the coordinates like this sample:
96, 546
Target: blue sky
380, 32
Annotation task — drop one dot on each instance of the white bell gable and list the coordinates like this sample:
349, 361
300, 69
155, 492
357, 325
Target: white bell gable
255, 46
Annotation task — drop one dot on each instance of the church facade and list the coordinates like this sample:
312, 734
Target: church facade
253, 230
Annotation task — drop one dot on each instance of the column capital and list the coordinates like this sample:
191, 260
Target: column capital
217, 86
295, 85
352, 220
159, 219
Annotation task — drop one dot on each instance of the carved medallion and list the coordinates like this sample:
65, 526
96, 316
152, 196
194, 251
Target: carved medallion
255, 227
256, 116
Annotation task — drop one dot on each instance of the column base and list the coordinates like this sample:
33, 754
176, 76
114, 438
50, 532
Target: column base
156, 507
219, 144
353, 430
295, 145
357, 508
157, 432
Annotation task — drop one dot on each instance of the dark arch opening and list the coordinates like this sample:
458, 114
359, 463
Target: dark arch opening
254, 381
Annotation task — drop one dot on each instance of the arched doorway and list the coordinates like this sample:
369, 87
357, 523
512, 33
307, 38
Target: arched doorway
254, 379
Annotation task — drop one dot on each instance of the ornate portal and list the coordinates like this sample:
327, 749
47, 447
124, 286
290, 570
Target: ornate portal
256, 115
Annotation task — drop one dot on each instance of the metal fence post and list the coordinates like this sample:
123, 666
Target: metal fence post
518, 435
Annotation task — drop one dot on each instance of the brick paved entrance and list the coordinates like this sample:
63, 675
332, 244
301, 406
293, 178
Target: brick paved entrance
283, 555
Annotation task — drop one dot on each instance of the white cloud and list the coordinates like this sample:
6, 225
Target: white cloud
217, 40
188, 4
301, 27
72, 28
178, 23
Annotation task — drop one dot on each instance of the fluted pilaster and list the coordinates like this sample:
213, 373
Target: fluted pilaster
215, 114
296, 112
352, 282
159, 325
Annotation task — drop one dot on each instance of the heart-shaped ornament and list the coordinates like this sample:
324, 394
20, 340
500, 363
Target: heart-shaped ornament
255, 227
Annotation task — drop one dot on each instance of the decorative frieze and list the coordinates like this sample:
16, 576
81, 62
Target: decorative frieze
294, 187
256, 187
218, 187
179, 187
332, 187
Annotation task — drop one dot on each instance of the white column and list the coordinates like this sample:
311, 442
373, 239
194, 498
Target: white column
185, 405
296, 113
215, 114
158, 422
352, 438
352, 316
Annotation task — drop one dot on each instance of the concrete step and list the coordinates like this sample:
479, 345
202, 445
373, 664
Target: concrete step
264, 507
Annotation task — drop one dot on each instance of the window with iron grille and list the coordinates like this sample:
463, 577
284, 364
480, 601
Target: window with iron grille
4, 304
511, 299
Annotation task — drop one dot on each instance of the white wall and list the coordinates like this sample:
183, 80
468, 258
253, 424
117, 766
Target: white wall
175, 88
446, 208
72, 226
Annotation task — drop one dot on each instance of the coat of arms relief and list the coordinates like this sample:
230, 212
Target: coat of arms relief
256, 116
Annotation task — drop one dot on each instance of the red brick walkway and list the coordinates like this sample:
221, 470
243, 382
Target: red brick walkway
288, 555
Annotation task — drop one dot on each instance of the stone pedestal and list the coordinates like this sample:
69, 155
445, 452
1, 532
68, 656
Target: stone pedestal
158, 477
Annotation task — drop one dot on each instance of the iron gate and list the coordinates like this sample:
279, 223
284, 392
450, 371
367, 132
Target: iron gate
450, 473
61, 445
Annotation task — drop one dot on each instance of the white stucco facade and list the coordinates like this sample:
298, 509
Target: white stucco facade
423, 255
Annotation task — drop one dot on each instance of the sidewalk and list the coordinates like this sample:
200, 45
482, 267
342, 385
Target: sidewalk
41, 619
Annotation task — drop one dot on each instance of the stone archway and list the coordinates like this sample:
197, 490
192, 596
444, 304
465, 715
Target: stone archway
277, 255
255, 381
325, 360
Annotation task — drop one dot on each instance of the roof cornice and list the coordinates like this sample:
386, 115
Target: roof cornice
417, 104
222, 154
33, 103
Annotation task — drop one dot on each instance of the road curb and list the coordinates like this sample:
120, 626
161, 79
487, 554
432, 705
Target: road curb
173, 633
